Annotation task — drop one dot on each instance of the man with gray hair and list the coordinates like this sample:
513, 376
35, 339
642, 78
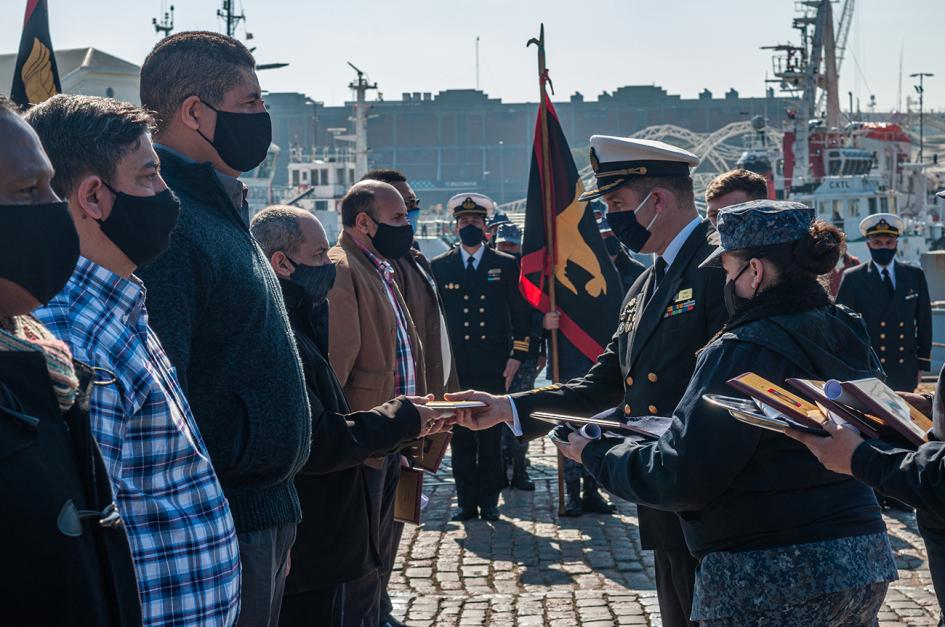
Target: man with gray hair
336, 544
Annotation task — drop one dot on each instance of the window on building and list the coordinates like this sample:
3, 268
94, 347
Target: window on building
324, 176
295, 178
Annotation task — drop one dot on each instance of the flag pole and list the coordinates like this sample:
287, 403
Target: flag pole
550, 239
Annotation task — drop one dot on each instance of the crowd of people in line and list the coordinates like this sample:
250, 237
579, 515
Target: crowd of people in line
204, 416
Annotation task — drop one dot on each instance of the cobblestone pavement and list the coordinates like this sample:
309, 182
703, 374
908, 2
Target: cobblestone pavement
530, 568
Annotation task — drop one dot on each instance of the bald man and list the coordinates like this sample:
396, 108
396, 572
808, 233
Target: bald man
374, 347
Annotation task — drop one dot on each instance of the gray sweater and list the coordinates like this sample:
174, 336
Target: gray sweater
216, 305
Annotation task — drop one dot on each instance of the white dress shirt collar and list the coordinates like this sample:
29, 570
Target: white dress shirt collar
891, 268
477, 256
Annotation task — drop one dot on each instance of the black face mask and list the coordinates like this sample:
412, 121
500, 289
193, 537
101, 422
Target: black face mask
140, 226
39, 247
471, 235
392, 242
734, 302
317, 281
241, 139
631, 233
882, 256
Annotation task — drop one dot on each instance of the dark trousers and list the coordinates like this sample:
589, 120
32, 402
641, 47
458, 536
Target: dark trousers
313, 607
675, 579
389, 531
264, 557
477, 466
477, 455
932, 529
361, 601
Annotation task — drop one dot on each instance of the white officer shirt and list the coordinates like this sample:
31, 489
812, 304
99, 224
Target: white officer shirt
477, 256
891, 268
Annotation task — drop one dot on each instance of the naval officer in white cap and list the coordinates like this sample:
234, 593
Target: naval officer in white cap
893, 299
668, 314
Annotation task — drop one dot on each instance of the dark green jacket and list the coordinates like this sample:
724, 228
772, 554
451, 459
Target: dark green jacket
216, 305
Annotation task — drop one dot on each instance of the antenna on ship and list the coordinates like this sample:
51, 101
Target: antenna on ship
231, 18
477, 62
166, 25
360, 87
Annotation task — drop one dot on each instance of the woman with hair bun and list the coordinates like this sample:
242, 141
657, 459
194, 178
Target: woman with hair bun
780, 539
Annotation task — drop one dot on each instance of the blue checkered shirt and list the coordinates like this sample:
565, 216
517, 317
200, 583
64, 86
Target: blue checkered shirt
182, 537
405, 375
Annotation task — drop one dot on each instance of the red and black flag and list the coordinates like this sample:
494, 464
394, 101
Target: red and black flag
36, 76
587, 288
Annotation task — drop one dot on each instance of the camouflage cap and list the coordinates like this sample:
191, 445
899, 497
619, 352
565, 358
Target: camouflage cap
509, 232
760, 223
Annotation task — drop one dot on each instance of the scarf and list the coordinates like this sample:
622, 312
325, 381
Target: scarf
25, 333
788, 297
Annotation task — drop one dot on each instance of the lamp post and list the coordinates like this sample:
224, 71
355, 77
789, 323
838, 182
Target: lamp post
501, 173
920, 88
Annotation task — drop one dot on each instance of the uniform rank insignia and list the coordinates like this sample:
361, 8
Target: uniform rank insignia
494, 274
911, 295
680, 308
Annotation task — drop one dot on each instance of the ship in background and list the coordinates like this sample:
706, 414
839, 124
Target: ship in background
844, 169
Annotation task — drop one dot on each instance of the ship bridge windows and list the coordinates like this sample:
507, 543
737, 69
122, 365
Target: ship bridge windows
872, 202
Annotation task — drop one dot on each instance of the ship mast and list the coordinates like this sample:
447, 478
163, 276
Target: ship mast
360, 87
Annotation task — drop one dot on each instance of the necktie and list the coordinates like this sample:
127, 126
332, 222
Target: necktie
659, 271
887, 282
470, 268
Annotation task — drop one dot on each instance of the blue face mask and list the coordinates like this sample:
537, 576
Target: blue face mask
413, 217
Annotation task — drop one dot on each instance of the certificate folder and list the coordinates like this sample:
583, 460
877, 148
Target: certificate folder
646, 426
408, 497
430, 450
787, 403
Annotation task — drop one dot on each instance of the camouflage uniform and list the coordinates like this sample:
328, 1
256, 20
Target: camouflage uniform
818, 583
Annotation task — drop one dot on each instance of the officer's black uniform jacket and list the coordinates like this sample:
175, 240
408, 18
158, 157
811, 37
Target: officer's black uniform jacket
335, 540
737, 487
649, 361
488, 318
900, 328
60, 565
917, 478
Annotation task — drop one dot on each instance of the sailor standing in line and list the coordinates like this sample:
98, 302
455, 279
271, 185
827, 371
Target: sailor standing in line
488, 323
893, 299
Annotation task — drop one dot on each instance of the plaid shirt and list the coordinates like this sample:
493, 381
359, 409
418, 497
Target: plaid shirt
182, 537
405, 375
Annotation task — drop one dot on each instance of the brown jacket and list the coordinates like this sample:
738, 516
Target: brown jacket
362, 330
415, 279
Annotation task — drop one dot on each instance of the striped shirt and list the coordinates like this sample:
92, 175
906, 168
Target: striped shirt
182, 537
405, 375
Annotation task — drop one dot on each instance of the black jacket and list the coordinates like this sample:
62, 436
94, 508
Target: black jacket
649, 361
335, 541
61, 567
488, 318
628, 268
737, 487
900, 328
215, 302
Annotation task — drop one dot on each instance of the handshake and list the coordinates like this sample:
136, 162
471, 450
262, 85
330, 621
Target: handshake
440, 416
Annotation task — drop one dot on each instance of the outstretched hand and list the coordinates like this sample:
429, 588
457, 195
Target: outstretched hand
834, 452
574, 447
498, 409
432, 421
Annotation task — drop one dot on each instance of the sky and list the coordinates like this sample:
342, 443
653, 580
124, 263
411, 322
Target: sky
430, 45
